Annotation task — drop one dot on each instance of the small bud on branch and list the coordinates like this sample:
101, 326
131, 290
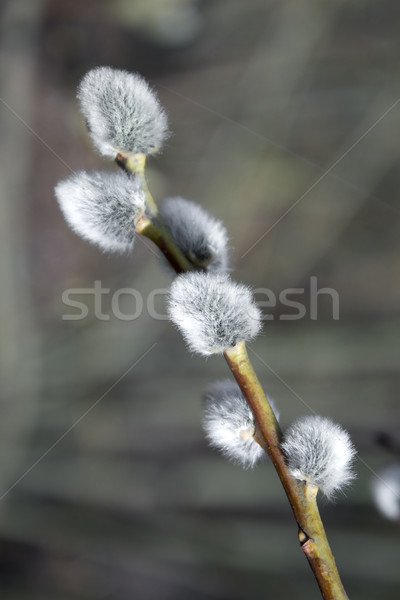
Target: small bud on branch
202, 238
102, 207
122, 113
229, 423
212, 312
320, 452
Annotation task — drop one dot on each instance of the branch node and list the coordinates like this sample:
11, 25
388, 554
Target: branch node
303, 537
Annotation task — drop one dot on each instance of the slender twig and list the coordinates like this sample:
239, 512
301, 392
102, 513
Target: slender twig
158, 234
151, 224
301, 495
136, 163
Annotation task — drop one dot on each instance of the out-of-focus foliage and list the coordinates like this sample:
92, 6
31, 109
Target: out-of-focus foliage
170, 22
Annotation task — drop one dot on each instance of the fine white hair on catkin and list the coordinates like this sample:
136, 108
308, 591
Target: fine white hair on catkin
212, 312
122, 112
386, 491
229, 423
102, 207
320, 452
201, 238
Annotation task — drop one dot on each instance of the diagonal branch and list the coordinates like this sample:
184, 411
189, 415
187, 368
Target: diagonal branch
301, 495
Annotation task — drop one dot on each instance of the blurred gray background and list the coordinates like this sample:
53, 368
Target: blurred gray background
271, 104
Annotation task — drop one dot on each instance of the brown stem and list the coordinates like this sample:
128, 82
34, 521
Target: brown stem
136, 163
302, 496
155, 230
152, 225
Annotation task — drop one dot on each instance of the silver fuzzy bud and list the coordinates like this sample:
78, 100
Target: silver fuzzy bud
229, 423
386, 491
320, 452
212, 312
102, 207
201, 238
122, 113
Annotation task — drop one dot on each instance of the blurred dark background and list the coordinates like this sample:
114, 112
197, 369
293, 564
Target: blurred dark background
270, 103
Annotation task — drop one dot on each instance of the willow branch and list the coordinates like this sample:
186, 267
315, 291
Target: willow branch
301, 496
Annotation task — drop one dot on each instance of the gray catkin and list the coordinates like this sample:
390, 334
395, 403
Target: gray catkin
102, 207
122, 113
320, 452
229, 423
212, 312
386, 491
201, 238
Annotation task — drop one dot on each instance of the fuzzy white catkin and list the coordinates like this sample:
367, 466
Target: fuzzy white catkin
122, 113
202, 238
212, 312
320, 452
102, 207
229, 423
386, 491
